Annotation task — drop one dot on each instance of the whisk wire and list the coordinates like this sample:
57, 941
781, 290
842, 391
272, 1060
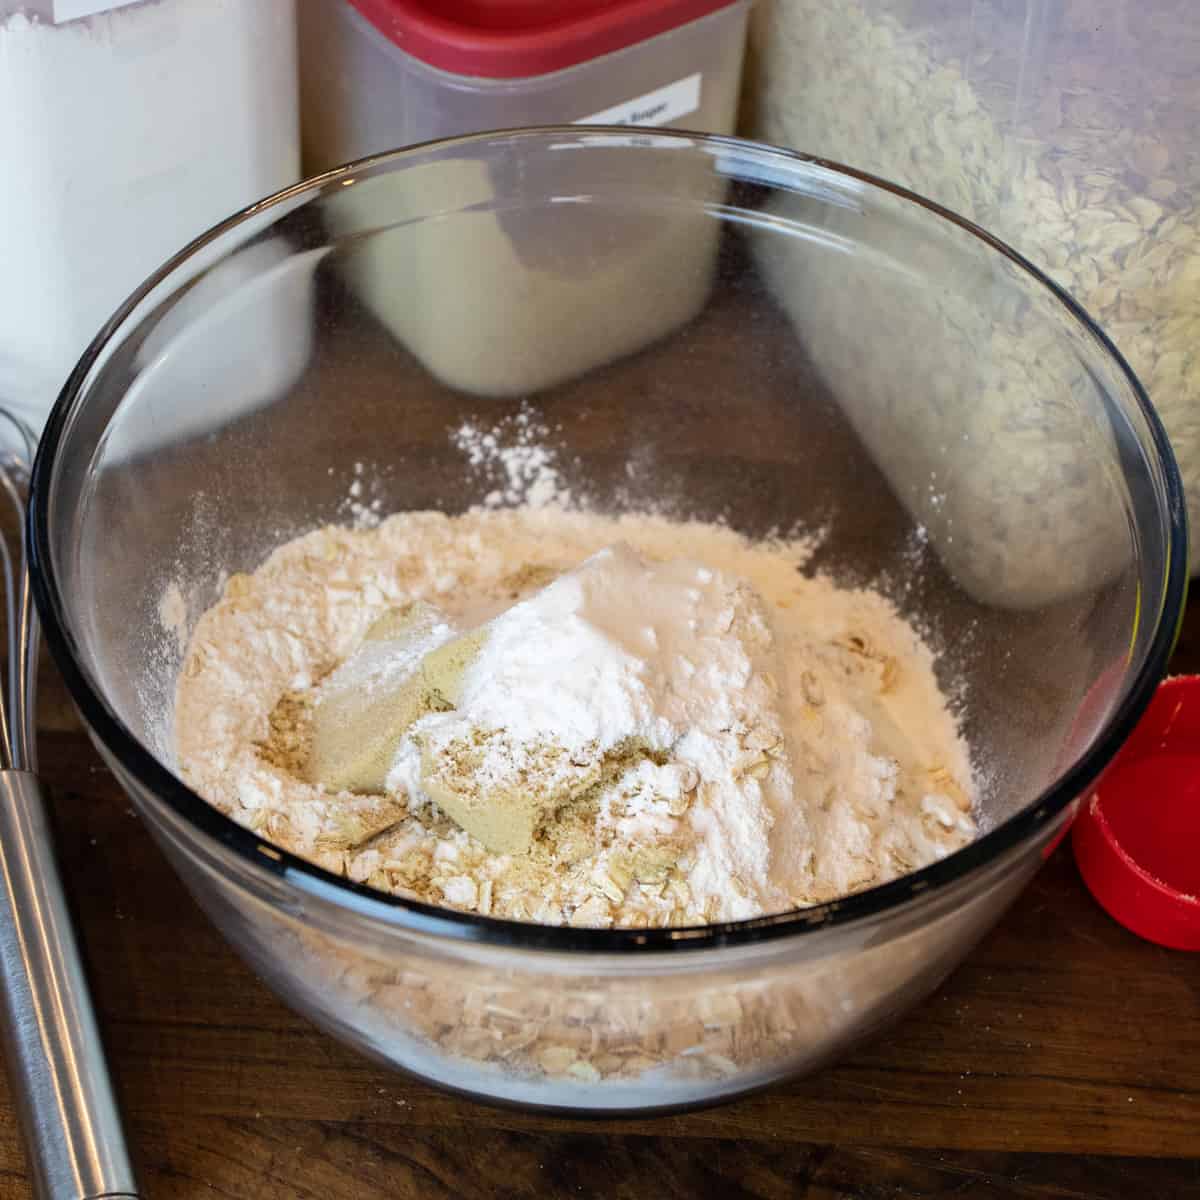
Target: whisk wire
49, 1035
10, 616
18, 746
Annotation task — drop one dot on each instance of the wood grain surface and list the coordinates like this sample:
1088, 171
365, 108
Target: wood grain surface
1062, 1059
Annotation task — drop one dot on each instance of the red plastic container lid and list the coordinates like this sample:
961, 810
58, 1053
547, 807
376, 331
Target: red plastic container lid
1137, 838
511, 39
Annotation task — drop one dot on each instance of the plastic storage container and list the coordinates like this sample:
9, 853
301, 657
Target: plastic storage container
380, 74
1067, 128
533, 320
126, 130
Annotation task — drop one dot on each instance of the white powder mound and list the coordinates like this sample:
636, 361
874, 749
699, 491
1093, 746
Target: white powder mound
875, 780
675, 659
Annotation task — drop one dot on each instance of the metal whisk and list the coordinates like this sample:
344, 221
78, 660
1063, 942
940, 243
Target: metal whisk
60, 1081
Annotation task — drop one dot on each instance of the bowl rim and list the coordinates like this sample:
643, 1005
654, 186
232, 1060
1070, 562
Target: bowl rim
405, 915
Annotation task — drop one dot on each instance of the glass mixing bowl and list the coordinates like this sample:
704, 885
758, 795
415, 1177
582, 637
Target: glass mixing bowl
705, 326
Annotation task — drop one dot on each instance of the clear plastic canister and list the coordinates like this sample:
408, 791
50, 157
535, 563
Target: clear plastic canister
1068, 129
531, 321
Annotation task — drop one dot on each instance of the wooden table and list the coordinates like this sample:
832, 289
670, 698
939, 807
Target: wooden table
1062, 1059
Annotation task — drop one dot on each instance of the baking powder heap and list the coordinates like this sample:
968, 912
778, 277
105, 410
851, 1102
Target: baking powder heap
650, 686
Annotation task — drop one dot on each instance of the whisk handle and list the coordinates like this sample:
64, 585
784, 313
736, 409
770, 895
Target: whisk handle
60, 1081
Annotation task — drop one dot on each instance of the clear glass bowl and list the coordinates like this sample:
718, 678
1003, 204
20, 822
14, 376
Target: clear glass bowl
626, 288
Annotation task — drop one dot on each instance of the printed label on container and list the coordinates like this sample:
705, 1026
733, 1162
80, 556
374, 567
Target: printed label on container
658, 107
72, 10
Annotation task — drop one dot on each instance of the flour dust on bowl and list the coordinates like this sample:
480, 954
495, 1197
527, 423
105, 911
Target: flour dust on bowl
721, 426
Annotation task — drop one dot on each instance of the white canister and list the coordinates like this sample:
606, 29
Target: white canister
127, 130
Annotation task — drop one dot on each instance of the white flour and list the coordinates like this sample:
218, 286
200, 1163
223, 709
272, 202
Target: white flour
518, 453
875, 782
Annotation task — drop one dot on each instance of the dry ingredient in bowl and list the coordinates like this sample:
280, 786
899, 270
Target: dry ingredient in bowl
760, 739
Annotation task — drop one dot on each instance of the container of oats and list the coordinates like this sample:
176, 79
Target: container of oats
1065, 127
